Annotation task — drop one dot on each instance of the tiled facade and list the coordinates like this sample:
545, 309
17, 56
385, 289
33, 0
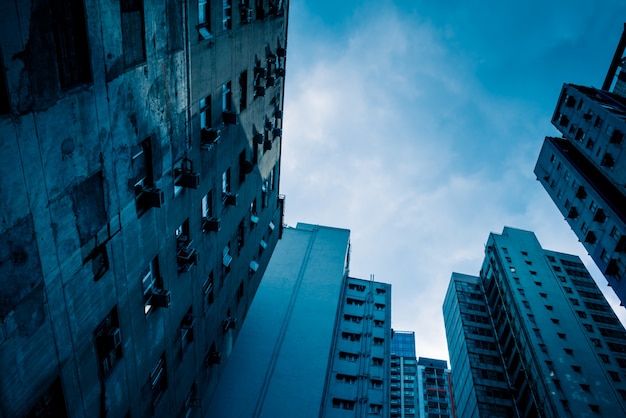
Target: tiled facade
549, 343
140, 177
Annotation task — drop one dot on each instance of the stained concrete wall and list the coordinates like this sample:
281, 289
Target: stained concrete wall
69, 206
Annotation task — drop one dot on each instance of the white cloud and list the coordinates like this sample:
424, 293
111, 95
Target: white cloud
390, 134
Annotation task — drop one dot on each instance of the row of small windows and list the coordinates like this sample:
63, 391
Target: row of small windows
246, 14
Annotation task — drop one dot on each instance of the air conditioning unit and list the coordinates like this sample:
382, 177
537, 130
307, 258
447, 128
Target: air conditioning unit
211, 224
209, 136
188, 180
246, 14
277, 132
260, 72
114, 338
267, 145
278, 114
214, 357
269, 81
161, 298
153, 198
259, 91
281, 52
229, 118
271, 58
230, 199
258, 138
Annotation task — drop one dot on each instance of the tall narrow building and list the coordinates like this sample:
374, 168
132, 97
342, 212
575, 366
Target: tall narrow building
532, 335
584, 171
404, 400
316, 342
140, 175
433, 388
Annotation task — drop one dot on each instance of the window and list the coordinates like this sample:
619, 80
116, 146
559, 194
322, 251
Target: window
5, 100
72, 43
186, 255
241, 233
588, 327
343, 404
568, 290
204, 20
376, 409
226, 259
349, 336
227, 14
376, 361
614, 376
596, 342
584, 387
348, 356
133, 32
605, 358
186, 329
379, 306
549, 307
574, 301
568, 351
582, 314
376, 384
345, 378
561, 335
227, 97
243, 89
158, 380
240, 292
108, 341
356, 302
379, 323
208, 292
51, 403
543, 295
207, 205
357, 287
205, 112
153, 293
554, 320
146, 196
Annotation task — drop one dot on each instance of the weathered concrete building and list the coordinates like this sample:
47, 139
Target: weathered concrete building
139, 172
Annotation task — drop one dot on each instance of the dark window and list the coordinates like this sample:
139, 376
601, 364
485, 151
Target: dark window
186, 329
243, 86
204, 19
153, 293
5, 100
240, 292
227, 14
158, 380
133, 32
207, 292
72, 42
108, 341
51, 403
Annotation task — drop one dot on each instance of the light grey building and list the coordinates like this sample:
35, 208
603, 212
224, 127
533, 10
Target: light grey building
532, 335
140, 174
316, 342
433, 388
584, 172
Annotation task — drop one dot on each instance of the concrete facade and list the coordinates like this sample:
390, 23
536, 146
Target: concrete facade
140, 176
433, 387
549, 344
306, 349
584, 172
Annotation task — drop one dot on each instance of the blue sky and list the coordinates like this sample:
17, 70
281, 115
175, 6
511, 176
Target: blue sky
417, 125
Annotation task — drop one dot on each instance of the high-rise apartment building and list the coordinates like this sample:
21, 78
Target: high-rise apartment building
584, 172
403, 375
532, 335
140, 172
316, 341
433, 388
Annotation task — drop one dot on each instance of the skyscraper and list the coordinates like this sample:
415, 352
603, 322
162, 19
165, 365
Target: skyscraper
584, 172
316, 342
533, 335
403, 375
140, 175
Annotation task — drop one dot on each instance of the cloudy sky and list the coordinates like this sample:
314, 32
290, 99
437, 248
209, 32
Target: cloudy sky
416, 124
